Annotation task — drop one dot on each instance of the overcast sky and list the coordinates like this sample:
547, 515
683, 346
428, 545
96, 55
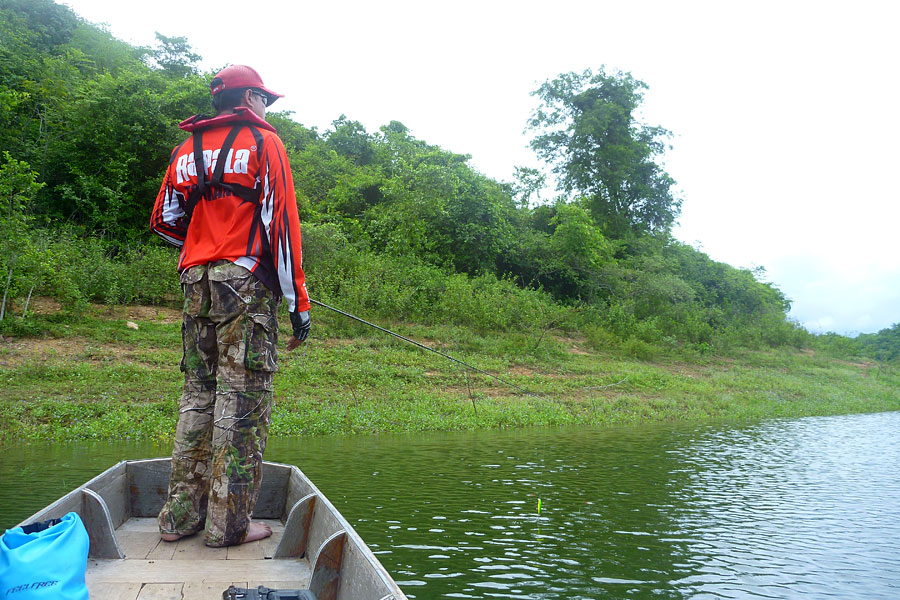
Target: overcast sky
784, 114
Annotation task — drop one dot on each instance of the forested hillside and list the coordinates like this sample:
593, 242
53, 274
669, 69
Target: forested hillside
393, 226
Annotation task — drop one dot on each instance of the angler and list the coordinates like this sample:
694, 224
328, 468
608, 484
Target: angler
236, 222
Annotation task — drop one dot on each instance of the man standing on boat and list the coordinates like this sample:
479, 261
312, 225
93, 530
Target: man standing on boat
227, 200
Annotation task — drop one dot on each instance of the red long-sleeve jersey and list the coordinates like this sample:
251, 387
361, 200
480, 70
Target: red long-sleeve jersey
262, 236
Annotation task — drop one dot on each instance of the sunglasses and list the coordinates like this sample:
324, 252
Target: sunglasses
263, 97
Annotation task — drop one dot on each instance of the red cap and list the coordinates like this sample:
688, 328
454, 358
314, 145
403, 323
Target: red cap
241, 76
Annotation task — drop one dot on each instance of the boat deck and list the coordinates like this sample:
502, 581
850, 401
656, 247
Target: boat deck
312, 547
187, 569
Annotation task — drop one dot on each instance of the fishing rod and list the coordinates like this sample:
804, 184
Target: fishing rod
424, 347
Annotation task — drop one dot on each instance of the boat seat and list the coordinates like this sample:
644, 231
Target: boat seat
95, 515
327, 570
296, 529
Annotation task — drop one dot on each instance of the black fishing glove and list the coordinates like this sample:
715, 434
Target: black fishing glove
300, 323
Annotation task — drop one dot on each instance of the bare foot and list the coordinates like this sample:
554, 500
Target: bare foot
257, 531
171, 537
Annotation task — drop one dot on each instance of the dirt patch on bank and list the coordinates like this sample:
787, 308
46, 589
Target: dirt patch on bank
574, 344
156, 314
864, 366
14, 352
17, 352
480, 392
43, 306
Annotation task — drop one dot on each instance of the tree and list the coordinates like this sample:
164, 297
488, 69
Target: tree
17, 189
174, 56
580, 248
884, 345
434, 205
587, 130
105, 171
528, 184
350, 139
53, 23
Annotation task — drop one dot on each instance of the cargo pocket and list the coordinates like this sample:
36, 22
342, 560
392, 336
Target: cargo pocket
260, 352
193, 274
232, 287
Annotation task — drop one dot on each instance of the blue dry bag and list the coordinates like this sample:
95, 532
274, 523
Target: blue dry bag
45, 560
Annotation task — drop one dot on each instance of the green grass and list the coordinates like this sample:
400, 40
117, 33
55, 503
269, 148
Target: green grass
93, 377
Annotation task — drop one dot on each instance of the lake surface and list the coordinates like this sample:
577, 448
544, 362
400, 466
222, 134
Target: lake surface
806, 508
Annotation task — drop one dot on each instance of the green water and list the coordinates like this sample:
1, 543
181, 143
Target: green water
783, 509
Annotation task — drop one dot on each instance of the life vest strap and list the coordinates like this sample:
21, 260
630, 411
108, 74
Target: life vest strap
243, 192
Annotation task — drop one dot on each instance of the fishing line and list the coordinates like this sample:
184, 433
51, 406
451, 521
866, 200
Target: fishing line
469, 366
456, 360
424, 347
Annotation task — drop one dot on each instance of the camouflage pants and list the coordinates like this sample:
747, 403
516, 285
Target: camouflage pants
230, 330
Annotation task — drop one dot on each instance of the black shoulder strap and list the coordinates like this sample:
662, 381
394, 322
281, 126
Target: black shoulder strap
244, 193
199, 165
223, 155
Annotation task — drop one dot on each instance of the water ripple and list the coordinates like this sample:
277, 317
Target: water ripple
808, 508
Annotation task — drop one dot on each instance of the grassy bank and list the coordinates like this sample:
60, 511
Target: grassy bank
95, 377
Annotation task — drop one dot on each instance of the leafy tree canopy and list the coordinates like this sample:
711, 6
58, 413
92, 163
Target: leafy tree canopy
587, 130
89, 122
174, 56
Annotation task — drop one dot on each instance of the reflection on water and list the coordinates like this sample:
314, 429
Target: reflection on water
812, 507
783, 509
